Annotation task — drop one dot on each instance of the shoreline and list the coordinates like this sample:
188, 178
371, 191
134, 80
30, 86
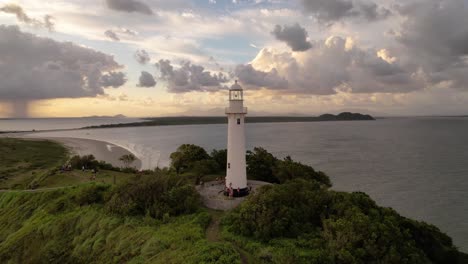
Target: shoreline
101, 150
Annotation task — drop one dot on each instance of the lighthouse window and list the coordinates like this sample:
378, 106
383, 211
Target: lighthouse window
238, 121
229, 165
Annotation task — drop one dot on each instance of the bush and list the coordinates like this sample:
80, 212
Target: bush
288, 169
154, 196
220, 157
346, 228
186, 155
261, 165
87, 161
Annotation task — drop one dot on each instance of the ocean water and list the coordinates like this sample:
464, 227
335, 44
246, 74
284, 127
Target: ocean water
418, 166
29, 124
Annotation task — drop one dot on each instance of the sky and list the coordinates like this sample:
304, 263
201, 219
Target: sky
141, 58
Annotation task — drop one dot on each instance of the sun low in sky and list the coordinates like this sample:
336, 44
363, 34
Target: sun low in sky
63, 58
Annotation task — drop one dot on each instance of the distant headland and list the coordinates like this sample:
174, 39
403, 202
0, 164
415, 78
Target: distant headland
207, 120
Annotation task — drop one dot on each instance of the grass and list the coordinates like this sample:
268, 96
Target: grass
25, 163
72, 225
75, 177
52, 227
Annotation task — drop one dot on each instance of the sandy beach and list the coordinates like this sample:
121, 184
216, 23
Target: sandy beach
102, 150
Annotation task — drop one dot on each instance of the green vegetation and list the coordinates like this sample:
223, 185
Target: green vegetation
78, 225
316, 225
263, 166
194, 162
26, 163
205, 120
157, 217
127, 159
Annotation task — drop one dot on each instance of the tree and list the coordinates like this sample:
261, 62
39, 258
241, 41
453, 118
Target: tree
220, 157
186, 155
261, 165
202, 168
288, 169
127, 159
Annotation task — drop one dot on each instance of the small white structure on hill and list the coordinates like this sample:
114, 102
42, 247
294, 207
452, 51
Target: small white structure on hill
236, 172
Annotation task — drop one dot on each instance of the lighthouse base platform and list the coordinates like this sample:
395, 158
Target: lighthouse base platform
213, 196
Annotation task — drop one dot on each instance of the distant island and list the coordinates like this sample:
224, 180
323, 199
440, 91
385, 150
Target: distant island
114, 116
207, 120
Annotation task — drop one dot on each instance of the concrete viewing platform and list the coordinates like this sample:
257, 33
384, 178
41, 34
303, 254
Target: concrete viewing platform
213, 194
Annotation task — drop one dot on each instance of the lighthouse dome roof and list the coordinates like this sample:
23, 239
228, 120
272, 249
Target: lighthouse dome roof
236, 87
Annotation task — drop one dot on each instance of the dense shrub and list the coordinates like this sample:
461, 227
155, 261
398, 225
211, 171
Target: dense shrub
288, 169
87, 161
336, 227
220, 157
286, 210
263, 166
186, 155
154, 196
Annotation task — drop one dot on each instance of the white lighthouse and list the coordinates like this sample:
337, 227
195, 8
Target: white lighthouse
236, 173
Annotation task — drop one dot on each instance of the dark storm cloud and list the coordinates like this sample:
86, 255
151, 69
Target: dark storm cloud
33, 68
258, 79
142, 57
18, 11
334, 10
295, 37
435, 35
146, 80
112, 35
189, 77
129, 6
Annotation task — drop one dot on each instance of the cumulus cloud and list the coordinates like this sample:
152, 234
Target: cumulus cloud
335, 65
18, 11
112, 35
435, 37
142, 57
34, 68
334, 10
258, 79
113, 79
146, 80
129, 6
295, 36
189, 77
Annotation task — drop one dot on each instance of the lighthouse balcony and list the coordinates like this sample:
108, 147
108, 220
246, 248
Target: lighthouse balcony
236, 110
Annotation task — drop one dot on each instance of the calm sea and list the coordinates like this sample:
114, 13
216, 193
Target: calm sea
29, 124
418, 166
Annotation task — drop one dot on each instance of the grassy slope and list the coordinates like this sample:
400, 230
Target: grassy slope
24, 164
64, 226
60, 227
52, 227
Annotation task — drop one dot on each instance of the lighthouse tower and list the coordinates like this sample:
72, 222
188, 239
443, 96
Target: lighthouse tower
236, 174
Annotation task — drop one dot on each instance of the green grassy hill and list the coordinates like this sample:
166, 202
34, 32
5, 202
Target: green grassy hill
73, 226
157, 216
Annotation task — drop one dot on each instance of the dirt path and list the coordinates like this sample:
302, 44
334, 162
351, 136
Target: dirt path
213, 235
212, 232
